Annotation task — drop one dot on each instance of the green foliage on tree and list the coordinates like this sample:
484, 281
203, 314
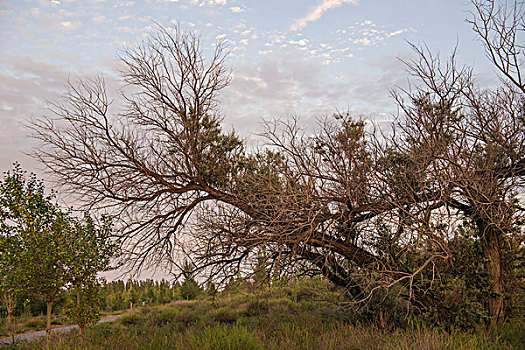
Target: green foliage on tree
189, 288
211, 290
261, 273
11, 288
46, 250
85, 307
116, 294
88, 250
30, 215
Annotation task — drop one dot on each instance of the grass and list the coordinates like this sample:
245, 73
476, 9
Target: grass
269, 320
33, 323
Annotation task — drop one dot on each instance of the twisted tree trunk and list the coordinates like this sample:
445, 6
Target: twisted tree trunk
492, 250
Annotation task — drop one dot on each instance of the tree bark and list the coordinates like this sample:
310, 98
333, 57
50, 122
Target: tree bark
81, 324
48, 323
492, 251
10, 303
10, 325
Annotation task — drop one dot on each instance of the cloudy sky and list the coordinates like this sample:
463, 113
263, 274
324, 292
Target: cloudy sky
289, 57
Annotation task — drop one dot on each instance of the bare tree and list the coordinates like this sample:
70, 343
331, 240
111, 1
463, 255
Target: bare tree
153, 159
367, 210
162, 156
474, 140
501, 28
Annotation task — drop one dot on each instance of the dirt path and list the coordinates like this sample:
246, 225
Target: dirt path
36, 334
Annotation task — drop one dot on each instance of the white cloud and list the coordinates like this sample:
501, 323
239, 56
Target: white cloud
201, 3
301, 42
47, 3
67, 13
45, 82
259, 82
67, 25
318, 11
121, 3
99, 19
236, 9
363, 41
124, 29
397, 32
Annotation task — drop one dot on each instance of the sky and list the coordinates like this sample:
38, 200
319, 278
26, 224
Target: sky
303, 58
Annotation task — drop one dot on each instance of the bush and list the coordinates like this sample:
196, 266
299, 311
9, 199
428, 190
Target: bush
224, 315
164, 317
221, 337
107, 329
256, 307
131, 319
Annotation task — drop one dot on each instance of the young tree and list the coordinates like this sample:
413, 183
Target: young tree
38, 225
85, 309
89, 249
44, 249
11, 288
189, 288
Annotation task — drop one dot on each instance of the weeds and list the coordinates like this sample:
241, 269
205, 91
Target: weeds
290, 318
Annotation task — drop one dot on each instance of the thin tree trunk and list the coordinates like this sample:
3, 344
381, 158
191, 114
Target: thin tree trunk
10, 326
10, 302
81, 325
48, 323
